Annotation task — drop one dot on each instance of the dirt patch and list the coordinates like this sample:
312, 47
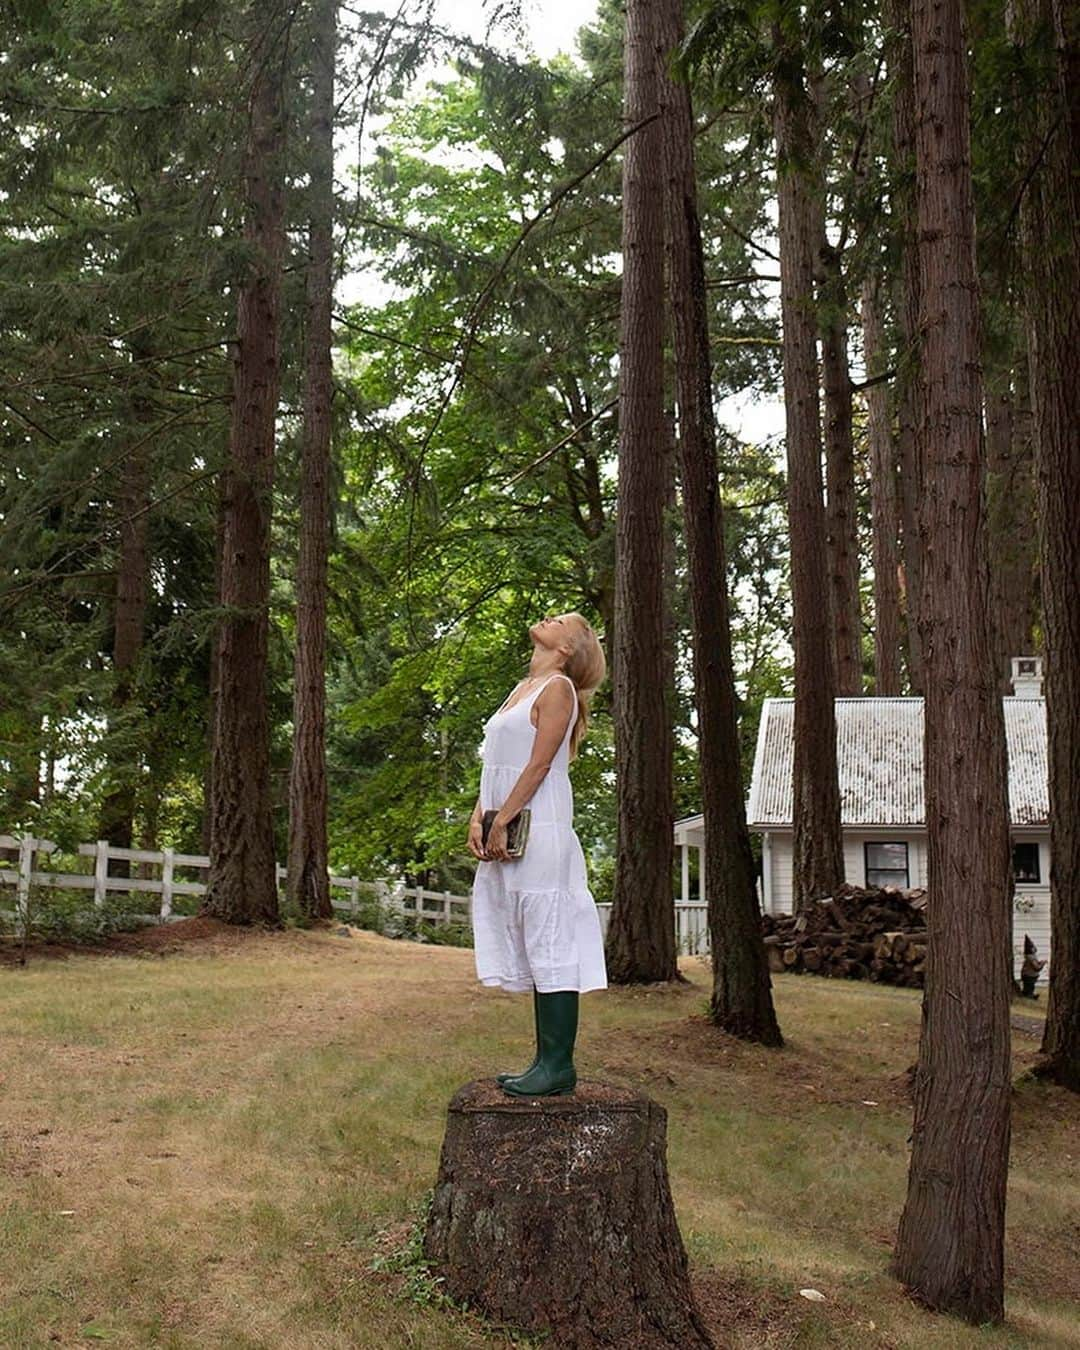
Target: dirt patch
197, 936
739, 1313
679, 1052
1028, 1026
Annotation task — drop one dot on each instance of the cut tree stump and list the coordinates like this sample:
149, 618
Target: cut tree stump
554, 1214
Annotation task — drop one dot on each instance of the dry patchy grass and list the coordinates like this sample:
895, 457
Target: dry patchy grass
238, 1120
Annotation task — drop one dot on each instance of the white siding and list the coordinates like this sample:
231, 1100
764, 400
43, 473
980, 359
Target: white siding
781, 849
781, 878
1034, 923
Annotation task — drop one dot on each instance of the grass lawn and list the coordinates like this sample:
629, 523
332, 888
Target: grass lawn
206, 1142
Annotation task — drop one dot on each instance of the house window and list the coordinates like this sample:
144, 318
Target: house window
1025, 861
886, 864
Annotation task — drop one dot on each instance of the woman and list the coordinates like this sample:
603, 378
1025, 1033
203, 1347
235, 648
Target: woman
535, 923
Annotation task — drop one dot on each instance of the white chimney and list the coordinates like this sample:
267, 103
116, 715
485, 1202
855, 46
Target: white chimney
1027, 676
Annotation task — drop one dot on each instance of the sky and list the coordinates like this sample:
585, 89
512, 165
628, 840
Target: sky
550, 26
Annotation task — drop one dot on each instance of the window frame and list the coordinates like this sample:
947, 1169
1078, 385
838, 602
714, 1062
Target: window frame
906, 872
1036, 880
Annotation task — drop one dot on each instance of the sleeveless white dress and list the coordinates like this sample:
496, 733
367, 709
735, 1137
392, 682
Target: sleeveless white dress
534, 919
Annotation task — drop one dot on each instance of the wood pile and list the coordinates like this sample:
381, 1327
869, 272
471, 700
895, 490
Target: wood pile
857, 934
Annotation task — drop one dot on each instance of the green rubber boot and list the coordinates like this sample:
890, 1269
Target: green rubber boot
554, 1075
502, 1077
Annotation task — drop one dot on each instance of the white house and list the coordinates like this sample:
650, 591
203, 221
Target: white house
879, 752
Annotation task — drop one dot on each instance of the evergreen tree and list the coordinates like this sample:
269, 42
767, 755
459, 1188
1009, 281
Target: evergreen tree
950, 1247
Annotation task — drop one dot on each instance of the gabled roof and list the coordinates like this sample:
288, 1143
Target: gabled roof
879, 752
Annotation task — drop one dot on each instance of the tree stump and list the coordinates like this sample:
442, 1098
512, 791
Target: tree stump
555, 1214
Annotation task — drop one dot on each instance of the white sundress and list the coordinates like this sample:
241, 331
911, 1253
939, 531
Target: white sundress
534, 919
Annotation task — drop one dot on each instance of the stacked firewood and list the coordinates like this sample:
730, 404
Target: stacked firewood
857, 934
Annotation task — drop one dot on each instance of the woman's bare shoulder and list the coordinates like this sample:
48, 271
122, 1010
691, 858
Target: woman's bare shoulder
557, 696
560, 689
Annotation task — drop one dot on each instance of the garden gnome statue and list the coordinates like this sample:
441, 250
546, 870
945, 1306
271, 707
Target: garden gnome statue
1029, 971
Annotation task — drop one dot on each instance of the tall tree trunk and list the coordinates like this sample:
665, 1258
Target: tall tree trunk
224, 495
585, 495
1050, 227
1011, 508
950, 1248
641, 933
129, 617
242, 886
741, 1000
818, 862
884, 504
308, 872
907, 376
841, 524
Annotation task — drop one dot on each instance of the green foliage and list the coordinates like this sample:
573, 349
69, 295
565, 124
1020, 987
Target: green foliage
411, 928
465, 502
55, 915
419, 1285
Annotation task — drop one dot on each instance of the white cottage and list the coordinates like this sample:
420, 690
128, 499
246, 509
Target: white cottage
879, 752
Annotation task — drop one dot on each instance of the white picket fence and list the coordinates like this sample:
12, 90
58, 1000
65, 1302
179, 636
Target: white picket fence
441, 907
435, 906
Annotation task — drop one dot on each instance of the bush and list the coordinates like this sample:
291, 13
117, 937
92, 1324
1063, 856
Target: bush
412, 929
602, 878
58, 915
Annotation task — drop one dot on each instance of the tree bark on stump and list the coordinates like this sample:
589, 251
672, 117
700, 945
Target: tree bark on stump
554, 1214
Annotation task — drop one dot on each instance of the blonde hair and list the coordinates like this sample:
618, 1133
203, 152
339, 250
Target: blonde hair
586, 667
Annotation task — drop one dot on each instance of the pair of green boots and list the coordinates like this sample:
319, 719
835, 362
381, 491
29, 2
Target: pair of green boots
552, 1073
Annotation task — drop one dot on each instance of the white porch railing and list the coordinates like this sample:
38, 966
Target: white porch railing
691, 926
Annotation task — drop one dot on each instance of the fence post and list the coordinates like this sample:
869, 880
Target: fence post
22, 890
354, 895
446, 907
101, 872
166, 882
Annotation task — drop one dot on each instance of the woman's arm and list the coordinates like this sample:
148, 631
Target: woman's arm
553, 708
472, 842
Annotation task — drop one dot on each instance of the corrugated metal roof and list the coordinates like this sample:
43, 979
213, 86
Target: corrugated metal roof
879, 751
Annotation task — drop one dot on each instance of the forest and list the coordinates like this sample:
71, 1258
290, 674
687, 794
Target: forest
342, 345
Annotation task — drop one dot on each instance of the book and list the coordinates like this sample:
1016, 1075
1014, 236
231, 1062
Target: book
517, 831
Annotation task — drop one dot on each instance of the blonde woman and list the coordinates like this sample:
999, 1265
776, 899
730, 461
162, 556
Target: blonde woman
535, 924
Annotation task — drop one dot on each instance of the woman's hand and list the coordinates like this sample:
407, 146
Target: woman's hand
474, 843
496, 844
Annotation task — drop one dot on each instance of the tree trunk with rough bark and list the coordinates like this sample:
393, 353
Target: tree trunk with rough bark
129, 616
907, 374
741, 1000
308, 879
818, 866
841, 525
950, 1247
554, 1215
1011, 515
884, 500
1050, 230
242, 887
640, 943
